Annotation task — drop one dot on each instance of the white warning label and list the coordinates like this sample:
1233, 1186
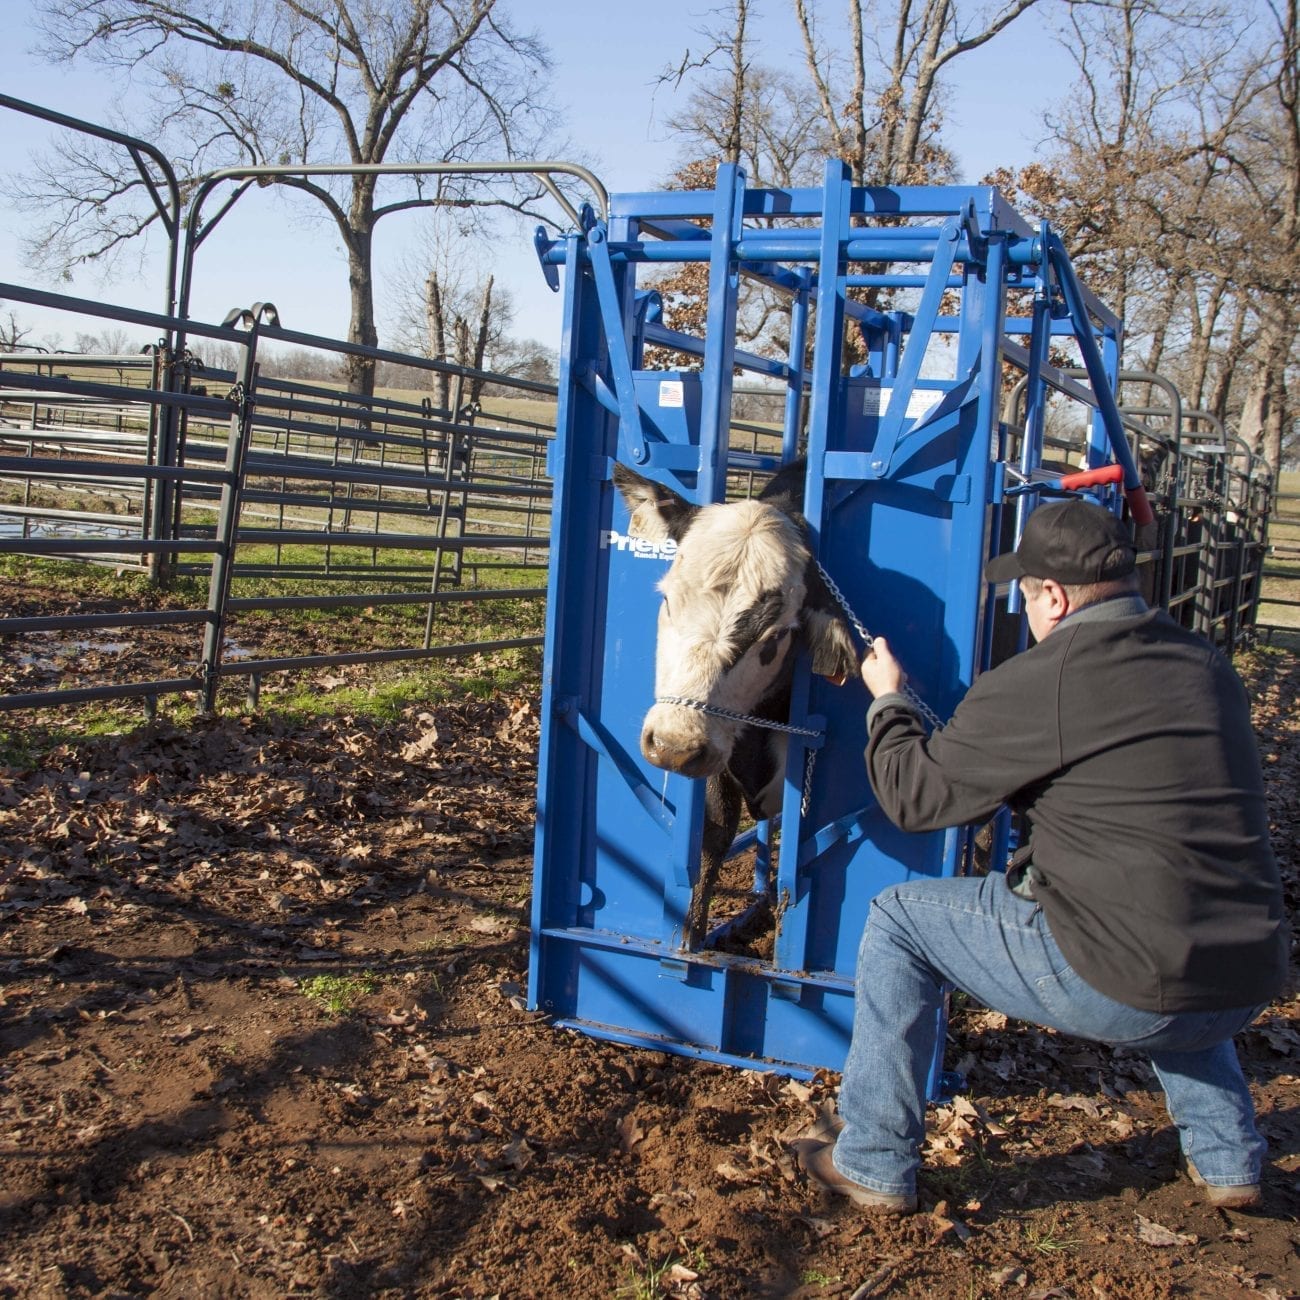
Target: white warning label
875, 401
672, 392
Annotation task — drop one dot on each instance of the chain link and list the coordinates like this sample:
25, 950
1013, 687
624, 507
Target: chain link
748, 718
809, 763
810, 759
868, 640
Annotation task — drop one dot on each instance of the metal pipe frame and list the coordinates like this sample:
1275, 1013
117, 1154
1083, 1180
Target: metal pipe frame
510, 494
611, 408
196, 233
169, 213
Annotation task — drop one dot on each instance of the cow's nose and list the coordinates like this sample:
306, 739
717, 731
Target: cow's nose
687, 759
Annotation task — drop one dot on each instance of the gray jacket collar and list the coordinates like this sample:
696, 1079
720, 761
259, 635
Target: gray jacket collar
1109, 610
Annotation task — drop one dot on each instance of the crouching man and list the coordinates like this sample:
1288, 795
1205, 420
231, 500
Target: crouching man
1150, 915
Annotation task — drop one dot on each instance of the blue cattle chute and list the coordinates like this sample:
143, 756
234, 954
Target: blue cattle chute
906, 481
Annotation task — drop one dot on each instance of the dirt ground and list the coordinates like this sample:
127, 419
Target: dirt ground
183, 1113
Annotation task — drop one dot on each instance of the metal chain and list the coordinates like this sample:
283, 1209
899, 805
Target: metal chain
810, 760
868, 640
714, 711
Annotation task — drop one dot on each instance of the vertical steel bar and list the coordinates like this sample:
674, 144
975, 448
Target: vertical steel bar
1101, 371
223, 556
792, 936
720, 335
797, 361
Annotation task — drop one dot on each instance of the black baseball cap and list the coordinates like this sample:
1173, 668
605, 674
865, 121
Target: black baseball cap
1075, 543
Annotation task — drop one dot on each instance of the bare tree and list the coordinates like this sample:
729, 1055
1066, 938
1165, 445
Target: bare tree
110, 341
446, 304
13, 334
1270, 172
742, 111
1175, 181
738, 111
460, 333
249, 82
887, 127
718, 107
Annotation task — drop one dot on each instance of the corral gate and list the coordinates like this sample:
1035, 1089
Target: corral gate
906, 489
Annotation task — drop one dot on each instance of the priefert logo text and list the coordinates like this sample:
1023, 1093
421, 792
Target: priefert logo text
640, 547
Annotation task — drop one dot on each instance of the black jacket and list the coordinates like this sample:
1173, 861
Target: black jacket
1128, 743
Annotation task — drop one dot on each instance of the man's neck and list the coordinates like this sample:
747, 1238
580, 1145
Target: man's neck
1127, 604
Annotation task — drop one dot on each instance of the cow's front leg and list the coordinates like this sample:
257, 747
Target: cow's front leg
722, 800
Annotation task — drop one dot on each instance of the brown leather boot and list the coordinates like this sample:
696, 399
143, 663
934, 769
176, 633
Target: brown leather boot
1241, 1196
814, 1159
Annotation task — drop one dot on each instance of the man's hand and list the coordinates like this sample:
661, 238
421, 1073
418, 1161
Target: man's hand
881, 672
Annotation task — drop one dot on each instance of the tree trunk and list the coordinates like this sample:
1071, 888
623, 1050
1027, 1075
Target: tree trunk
359, 237
481, 340
435, 322
903, 168
1219, 394
1202, 342
1261, 416
736, 108
1161, 324
360, 371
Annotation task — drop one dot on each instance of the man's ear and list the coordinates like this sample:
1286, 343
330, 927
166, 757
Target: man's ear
657, 512
1058, 598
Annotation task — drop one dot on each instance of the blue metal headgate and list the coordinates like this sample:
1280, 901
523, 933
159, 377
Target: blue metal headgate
905, 494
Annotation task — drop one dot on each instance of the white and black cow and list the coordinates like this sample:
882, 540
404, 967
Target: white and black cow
743, 595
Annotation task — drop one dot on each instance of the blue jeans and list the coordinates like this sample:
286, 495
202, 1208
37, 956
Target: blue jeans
976, 935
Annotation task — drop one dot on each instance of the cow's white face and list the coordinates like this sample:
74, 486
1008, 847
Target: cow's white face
736, 608
727, 628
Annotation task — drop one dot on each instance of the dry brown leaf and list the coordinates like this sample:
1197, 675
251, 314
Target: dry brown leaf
798, 1090
1012, 1275
518, 1154
734, 1173
1075, 1102
423, 745
630, 1132
1156, 1234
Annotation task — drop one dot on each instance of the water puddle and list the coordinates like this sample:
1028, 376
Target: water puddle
11, 526
50, 648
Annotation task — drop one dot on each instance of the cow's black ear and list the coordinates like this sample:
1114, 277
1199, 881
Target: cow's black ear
657, 511
785, 489
826, 630
834, 653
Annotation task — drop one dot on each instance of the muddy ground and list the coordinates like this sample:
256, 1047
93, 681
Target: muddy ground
263, 1033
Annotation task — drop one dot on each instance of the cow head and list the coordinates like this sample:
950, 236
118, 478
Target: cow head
742, 595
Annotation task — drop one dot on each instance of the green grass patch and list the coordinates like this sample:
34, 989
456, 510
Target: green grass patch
339, 994
70, 578
1050, 1238
815, 1277
648, 1281
387, 697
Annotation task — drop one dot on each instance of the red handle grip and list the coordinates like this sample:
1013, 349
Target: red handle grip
1092, 477
1139, 506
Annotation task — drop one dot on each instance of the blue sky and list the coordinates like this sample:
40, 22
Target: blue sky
607, 61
